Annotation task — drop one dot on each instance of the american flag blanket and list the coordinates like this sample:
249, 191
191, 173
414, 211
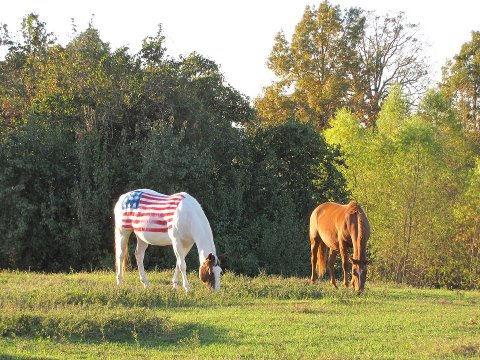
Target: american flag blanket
147, 212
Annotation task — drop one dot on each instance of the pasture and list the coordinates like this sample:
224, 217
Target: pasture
86, 316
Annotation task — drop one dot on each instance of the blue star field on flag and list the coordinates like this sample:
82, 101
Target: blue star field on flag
132, 200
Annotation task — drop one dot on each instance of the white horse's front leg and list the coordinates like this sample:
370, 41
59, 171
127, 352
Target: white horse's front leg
183, 271
139, 255
181, 265
175, 278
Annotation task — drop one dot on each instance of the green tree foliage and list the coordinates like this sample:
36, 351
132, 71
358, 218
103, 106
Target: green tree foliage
402, 173
36, 215
461, 81
467, 216
81, 124
292, 171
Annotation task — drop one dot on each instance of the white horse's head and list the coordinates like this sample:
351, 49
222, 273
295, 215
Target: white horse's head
209, 272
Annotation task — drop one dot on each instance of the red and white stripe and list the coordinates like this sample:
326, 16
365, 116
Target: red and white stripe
154, 213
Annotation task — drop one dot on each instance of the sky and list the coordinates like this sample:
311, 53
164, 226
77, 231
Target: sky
237, 35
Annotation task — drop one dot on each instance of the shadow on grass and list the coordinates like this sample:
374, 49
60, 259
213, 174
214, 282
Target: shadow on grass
189, 335
21, 357
153, 332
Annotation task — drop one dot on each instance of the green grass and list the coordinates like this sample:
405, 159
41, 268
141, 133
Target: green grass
86, 316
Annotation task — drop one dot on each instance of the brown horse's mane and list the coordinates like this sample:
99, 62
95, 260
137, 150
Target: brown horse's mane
359, 244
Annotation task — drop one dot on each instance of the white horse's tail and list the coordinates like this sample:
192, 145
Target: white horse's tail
121, 242
121, 246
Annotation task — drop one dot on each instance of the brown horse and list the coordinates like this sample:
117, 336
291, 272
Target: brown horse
339, 227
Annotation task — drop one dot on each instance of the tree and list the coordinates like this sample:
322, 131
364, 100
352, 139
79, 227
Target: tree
313, 68
390, 53
342, 59
401, 173
20, 70
467, 215
461, 82
153, 49
35, 183
460, 156
291, 171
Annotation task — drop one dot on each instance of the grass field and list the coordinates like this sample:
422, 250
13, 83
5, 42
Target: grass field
86, 316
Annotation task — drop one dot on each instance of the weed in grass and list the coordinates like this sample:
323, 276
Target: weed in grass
473, 322
135, 336
193, 341
468, 350
303, 309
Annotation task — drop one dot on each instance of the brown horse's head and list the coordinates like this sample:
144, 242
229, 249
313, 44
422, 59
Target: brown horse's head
359, 273
209, 272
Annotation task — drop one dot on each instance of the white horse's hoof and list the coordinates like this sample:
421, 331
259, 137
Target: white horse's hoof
146, 284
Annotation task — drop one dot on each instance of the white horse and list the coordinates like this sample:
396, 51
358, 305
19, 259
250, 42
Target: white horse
156, 219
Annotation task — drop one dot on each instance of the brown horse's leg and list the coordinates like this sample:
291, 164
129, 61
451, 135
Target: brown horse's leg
314, 249
331, 261
343, 253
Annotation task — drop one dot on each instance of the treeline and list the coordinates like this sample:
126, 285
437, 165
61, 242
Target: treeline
418, 178
82, 123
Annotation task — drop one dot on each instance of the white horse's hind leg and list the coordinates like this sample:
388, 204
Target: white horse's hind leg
121, 242
139, 255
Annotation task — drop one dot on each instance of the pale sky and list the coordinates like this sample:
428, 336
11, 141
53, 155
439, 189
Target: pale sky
237, 35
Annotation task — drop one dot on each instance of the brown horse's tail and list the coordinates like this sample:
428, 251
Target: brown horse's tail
321, 259
321, 247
